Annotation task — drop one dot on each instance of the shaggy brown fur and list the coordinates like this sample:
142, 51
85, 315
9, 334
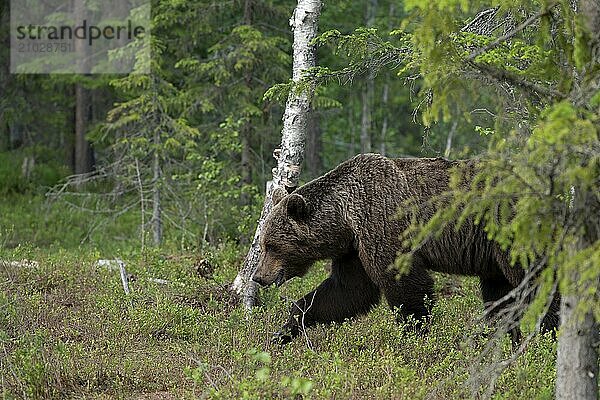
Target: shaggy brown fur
348, 216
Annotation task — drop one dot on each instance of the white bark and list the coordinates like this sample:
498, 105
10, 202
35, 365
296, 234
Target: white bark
293, 137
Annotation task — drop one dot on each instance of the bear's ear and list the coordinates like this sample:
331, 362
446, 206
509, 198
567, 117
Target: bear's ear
278, 194
297, 208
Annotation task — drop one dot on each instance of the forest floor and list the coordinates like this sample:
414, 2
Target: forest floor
68, 330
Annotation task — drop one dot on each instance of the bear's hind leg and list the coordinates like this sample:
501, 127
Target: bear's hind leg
346, 293
492, 290
551, 319
410, 295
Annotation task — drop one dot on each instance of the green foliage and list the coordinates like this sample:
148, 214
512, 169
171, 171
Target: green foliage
67, 329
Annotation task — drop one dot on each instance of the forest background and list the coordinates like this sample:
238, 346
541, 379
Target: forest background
167, 171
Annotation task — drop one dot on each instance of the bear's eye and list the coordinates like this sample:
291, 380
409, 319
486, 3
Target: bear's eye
270, 247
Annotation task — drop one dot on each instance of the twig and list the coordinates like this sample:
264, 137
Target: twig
306, 338
20, 264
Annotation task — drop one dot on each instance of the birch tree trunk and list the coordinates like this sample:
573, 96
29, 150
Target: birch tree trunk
449, 139
290, 155
577, 354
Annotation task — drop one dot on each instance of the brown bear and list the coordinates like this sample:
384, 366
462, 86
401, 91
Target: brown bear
349, 215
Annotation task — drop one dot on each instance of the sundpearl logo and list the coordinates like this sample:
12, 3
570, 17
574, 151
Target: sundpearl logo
76, 36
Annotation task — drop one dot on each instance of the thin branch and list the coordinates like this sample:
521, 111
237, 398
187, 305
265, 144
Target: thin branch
308, 342
139, 179
511, 33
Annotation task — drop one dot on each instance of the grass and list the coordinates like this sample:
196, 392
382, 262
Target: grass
68, 330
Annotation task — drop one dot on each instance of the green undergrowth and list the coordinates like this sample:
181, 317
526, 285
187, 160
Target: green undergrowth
68, 330
48, 224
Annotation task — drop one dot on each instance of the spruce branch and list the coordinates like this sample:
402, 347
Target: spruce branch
512, 32
517, 81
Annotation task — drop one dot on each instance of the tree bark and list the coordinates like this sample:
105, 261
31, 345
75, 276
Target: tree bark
577, 358
577, 354
449, 139
290, 155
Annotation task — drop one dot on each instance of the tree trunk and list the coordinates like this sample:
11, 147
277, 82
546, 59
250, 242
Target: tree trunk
5, 81
365, 122
83, 106
314, 146
368, 90
577, 358
246, 131
449, 139
156, 179
384, 123
293, 137
83, 150
386, 89
352, 144
577, 355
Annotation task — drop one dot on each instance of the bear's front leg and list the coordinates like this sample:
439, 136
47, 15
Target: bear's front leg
346, 293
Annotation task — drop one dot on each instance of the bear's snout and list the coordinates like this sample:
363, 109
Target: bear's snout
259, 280
278, 279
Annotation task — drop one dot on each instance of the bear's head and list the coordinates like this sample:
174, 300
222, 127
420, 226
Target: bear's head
286, 241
